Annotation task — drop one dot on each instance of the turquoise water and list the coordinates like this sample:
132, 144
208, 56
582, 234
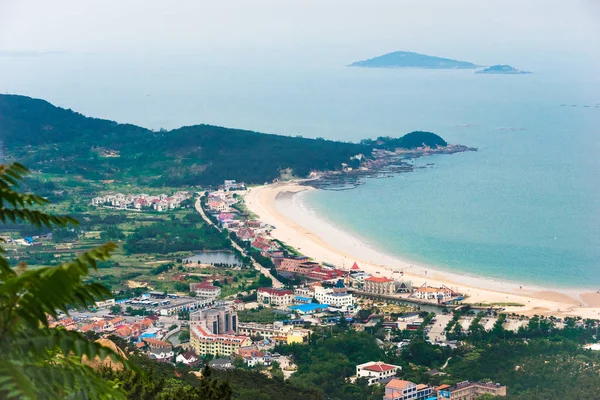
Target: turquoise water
524, 207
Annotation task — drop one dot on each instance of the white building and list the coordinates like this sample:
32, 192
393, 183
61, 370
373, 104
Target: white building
334, 297
376, 371
441, 294
275, 297
187, 358
205, 289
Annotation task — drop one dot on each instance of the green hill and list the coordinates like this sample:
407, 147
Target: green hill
407, 59
56, 140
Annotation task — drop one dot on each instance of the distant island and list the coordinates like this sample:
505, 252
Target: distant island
407, 59
502, 69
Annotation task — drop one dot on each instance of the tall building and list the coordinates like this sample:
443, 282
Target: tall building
213, 331
219, 320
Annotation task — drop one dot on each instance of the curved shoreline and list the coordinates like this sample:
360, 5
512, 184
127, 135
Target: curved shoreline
325, 242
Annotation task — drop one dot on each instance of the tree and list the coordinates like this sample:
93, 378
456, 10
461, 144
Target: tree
112, 232
116, 309
37, 361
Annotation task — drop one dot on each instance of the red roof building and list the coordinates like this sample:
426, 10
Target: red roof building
376, 371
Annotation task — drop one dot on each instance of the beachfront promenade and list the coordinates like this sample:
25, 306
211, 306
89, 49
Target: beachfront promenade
263, 270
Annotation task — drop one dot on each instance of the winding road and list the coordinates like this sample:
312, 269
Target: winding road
276, 283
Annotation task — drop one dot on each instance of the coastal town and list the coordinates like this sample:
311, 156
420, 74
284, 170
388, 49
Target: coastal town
251, 329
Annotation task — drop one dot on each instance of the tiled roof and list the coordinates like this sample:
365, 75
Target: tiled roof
275, 292
378, 279
397, 384
203, 334
379, 367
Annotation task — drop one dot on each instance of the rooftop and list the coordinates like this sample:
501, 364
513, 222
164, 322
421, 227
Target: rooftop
397, 384
274, 292
379, 367
378, 279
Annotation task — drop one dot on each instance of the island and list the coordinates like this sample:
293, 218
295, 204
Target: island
502, 69
407, 59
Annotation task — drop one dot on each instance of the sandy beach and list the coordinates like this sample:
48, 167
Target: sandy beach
275, 205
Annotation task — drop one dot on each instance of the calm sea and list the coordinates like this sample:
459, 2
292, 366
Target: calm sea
524, 207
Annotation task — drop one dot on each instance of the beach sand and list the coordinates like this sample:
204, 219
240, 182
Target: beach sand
274, 204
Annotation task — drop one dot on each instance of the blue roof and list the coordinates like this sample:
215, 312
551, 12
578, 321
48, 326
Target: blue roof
308, 307
303, 298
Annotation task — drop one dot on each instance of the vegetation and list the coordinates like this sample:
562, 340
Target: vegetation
174, 236
261, 315
332, 357
35, 360
70, 144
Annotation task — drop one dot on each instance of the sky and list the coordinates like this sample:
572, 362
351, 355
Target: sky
524, 32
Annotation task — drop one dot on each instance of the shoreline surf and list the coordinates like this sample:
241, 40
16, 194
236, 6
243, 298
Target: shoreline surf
321, 240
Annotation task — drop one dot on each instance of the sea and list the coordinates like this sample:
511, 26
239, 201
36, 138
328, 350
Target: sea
524, 207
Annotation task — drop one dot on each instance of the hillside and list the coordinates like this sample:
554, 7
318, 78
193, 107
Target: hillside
407, 59
56, 140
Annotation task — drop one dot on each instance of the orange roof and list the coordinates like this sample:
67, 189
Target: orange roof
422, 386
397, 384
379, 367
378, 279
442, 387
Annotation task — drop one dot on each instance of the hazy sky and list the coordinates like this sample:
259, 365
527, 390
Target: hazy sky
307, 30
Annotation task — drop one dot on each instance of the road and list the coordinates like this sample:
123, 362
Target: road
257, 266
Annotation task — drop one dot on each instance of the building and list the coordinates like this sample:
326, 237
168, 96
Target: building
277, 331
274, 297
176, 306
335, 297
245, 234
159, 350
252, 356
289, 263
218, 320
205, 342
188, 358
356, 280
470, 390
105, 304
376, 371
379, 285
441, 294
205, 289
221, 364
398, 389
306, 309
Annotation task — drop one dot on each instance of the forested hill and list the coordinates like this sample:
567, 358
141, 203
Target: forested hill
56, 140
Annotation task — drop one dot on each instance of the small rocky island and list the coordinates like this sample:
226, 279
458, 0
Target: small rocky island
502, 69
407, 59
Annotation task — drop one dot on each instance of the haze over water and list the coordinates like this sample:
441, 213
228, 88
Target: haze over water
525, 207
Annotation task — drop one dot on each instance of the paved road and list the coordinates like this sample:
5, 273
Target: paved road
265, 271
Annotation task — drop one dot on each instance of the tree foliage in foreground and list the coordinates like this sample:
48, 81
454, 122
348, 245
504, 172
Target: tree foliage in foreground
37, 362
